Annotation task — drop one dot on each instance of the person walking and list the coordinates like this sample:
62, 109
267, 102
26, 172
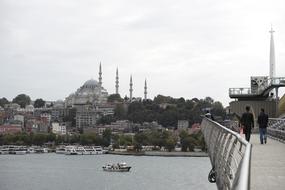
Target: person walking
209, 115
262, 122
247, 123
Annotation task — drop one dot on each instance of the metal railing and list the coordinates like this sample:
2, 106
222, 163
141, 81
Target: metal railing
276, 81
276, 128
240, 91
230, 156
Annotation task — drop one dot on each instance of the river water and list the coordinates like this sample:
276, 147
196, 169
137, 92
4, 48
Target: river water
62, 172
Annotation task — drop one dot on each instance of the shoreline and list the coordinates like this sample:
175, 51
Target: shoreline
162, 154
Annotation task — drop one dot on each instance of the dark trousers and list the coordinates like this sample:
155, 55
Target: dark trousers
247, 132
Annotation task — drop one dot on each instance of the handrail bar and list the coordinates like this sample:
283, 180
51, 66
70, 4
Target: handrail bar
223, 144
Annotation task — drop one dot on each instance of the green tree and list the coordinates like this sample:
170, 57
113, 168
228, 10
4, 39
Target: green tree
22, 100
139, 140
116, 141
106, 119
126, 140
115, 98
3, 101
59, 139
24, 138
186, 141
74, 138
107, 135
159, 99
170, 143
88, 139
39, 139
9, 139
155, 138
39, 103
169, 117
120, 112
51, 137
218, 109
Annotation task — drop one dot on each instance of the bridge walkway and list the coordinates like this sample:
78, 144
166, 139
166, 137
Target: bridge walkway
267, 164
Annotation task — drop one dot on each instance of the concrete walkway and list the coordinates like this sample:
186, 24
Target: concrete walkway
267, 164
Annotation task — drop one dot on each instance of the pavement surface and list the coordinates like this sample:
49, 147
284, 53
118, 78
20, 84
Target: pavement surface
267, 164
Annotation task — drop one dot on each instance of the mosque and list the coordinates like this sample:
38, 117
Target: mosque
90, 100
92, 92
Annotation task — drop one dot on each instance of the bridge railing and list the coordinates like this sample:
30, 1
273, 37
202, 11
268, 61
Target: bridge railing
276, 81
240, 91
276, 128
230, 156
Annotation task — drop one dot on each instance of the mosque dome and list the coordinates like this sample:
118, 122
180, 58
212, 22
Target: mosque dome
90, 92
90, 84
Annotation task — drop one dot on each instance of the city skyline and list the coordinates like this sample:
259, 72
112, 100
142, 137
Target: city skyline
185, 49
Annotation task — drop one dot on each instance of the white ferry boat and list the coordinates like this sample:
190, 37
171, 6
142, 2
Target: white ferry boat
83, 150
11, 149
60, 150
41, 150
31, 150
70, 150
98, 150
119, 167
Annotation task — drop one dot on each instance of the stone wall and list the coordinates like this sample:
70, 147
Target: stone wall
238, 107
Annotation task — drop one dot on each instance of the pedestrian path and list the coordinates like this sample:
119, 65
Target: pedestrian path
267, 164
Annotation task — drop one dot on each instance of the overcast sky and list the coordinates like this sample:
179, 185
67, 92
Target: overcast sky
197, 48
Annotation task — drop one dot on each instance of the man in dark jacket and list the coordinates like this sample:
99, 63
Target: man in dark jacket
263, 122
209, 115
247, 122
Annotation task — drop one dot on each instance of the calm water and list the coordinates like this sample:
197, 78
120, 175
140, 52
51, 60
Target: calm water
60, 172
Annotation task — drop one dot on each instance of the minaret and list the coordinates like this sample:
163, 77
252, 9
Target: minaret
145, 90
117, 81
131, 88
100, 75
272, 56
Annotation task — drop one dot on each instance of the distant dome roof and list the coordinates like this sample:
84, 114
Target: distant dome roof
90, 83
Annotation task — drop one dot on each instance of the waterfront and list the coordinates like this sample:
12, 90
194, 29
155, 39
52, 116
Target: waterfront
53, 171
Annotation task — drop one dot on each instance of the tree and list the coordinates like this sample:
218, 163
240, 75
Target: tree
74, 138
209, 100
87, 139
9, 139
155, 138
120, 112
106, 119
115, 98
218, 109
186, 141
107, 135
39, 103
169, 117
22, 100
3, 101
170, 143
135, 107
139, 140
163, 99
39, 139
